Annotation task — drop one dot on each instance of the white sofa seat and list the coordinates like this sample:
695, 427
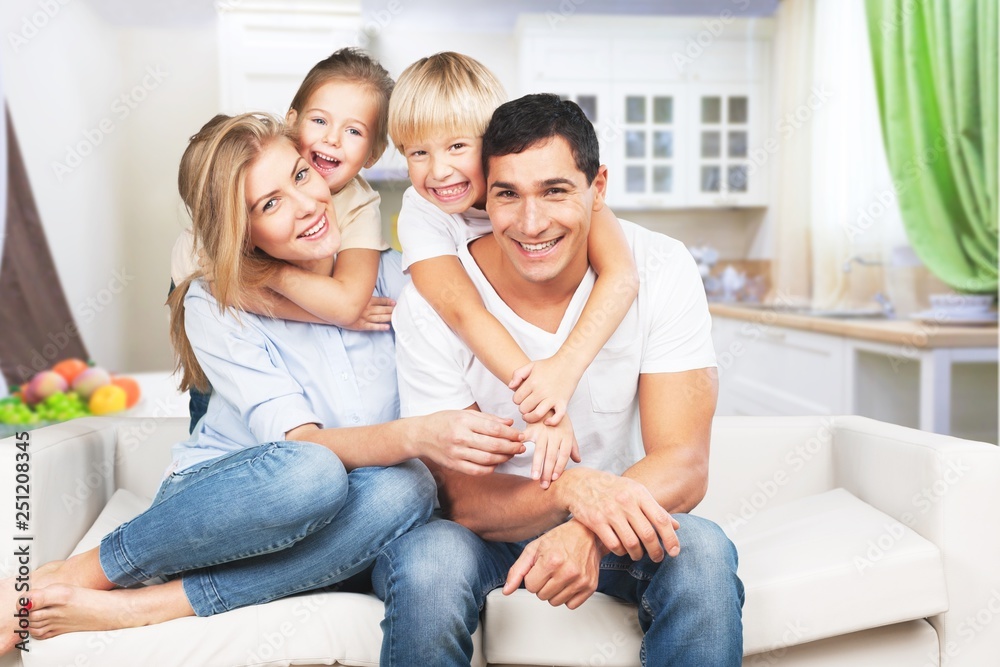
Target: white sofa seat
861, 543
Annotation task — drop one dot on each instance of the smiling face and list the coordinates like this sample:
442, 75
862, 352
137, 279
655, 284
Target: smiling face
540, 205
336, 130
291, 217
446, 171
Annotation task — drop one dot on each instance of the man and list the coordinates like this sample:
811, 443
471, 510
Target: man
642, 415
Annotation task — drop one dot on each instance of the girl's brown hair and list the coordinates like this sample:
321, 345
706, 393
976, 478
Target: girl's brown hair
212, 184
353, 65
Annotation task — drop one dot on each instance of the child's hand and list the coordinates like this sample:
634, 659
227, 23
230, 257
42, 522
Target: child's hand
554, 447
376, 315
542, 386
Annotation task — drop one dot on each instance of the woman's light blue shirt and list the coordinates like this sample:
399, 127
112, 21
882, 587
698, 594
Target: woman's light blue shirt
270, 375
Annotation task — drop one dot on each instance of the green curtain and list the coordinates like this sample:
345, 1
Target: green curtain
936, 78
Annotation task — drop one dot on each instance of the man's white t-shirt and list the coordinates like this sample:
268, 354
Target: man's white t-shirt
667, 330
425, 231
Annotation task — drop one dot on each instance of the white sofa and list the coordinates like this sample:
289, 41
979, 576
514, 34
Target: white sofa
861, 543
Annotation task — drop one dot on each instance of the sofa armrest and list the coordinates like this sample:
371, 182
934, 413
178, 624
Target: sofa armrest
759, 463
947, 490
72, 478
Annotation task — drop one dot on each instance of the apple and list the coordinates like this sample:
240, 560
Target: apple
44, 384
87, 382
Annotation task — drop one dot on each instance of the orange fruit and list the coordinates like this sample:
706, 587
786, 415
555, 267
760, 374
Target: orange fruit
131, 387
107, 399
70, 368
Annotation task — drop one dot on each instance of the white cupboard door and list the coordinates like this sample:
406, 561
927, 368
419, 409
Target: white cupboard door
647, 146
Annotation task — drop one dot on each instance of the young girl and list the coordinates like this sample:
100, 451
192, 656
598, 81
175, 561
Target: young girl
300, 473
339, 118
438, 112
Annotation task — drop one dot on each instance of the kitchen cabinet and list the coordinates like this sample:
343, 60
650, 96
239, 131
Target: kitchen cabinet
766, 369
936, 378
678, 104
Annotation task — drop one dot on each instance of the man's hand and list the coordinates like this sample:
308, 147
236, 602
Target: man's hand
554, 447
375, 317
466, 441
620, 511
560, 567
542, 386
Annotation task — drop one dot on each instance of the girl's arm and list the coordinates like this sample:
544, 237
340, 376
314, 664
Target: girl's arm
548, 384
344, 299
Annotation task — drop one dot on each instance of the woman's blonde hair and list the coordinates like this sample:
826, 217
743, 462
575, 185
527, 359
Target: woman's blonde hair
445, 93
352, 65
212, 184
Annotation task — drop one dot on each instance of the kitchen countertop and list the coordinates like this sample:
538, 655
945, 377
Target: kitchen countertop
920, 335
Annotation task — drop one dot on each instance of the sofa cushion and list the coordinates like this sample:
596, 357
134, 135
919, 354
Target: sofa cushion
314, 629
821, 566
520, 629
830, 564
310, 629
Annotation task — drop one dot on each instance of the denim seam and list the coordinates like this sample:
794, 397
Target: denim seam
321, 581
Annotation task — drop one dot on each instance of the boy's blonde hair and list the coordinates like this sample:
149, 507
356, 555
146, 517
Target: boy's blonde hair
212, 183
445, 93
352, 65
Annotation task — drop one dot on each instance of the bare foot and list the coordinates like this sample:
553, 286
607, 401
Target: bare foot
59, 609
14, 617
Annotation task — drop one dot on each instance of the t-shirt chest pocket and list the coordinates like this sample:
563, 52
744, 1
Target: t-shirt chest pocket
614, 377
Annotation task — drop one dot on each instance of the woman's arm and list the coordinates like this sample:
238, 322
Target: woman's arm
465, 441
548, 384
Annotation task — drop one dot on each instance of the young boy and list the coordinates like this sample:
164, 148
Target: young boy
438, 112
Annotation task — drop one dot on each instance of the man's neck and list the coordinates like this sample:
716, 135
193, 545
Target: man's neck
540, 304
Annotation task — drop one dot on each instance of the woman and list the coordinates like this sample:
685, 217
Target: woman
237, 522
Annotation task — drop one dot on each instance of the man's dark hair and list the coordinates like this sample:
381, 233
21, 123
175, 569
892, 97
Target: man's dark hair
522, 123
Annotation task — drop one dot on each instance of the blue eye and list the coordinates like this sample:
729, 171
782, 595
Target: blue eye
319, 121
269, 204
301, 174
353, 131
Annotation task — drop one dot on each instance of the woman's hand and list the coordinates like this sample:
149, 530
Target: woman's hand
466, 441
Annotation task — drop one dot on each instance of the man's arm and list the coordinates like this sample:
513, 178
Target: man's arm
630, 514
675, 411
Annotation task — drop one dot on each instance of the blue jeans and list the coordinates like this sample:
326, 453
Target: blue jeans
267, 522
690, 607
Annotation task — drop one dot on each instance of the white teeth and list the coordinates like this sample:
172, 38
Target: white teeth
450, 191
537, 247
329, 158
315, 228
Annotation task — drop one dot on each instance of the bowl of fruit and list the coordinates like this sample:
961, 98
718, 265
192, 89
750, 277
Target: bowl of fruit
72, 388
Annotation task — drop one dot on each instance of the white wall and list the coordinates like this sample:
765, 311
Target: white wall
129, 98
61, 79
156, 137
